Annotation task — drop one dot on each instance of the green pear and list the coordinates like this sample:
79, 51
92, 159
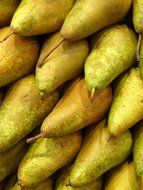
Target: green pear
76, 110
70, 56
45, 156
40, 17
138, 15
22, 110
124, 178
141, 60
7, 9
89, 16
127, 106
99, 153
9, 160
63, 180
114, 51
18, 56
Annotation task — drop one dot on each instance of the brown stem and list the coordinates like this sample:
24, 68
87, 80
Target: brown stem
33, 139
7, 36
41, 62
139, 47
92, 93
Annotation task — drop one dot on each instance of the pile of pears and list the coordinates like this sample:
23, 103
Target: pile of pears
71, 95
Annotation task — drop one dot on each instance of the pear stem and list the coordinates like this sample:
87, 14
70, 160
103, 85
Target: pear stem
33, 139
139, 47
41, 63
92, 93
7, 36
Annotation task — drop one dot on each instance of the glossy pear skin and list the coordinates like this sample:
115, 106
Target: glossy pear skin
76, 110
47, 156
22, 110
138, 15
98, 154
127, 106
68, 56
114, 50
40, 17
89, 16
18, 56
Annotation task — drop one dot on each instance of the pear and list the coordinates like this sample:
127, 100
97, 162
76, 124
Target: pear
18, 56
76, 110
127, 106
9, 160
40, 17
63, 180
138, 15
7, 9
22, 110
114, 51
141, 60
124, 178
99, 153
45, 156
89, 16
70, 56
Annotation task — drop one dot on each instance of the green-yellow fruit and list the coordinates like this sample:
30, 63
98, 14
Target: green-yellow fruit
40, 17
76, 110
22, 110
127, 106
138, 15
45, 156
18, 56
114, 50
124, 178
68, 56
141, 61
89, 16
99, 153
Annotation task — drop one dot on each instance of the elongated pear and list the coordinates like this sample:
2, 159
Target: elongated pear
45, 156
141, 60
22, 110
124, 178
10, 159
138, 15
40, 17
7, 9
76, 110
89, 16
98, 154
70, 56
63, 180
114, 50
127, 106
18, 56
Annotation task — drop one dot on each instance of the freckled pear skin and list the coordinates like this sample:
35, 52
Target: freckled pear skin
89, 16
70, 56
18, 56
10, 159
99, 154
114, 50
22, 110
127, 106
7, 9
63, 180
47, 156
138, 15
76, 110
40, 17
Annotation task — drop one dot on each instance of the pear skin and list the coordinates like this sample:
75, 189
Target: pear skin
127, 106
40, 17
89, 16
18, 56
70, 56
138, 15
76, 110
22, 110
141, 61
47, 155
99, 153
113, 52
124, 178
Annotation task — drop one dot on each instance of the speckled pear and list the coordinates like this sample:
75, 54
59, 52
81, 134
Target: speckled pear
114, 51
22, 110
47, 155
89, 16
18, 56
68, 56
141, 60
138, 15
40, 17
98, 154
127, 106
